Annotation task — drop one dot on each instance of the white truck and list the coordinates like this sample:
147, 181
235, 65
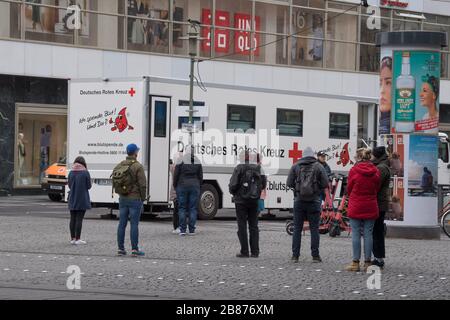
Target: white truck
105, 115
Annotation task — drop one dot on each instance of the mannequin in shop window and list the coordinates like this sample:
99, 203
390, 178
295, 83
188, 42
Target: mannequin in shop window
317, 45
162, 30
138, 34
22, 153
132, 11
46, 134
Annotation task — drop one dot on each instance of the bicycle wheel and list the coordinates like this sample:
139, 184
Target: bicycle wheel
445, 223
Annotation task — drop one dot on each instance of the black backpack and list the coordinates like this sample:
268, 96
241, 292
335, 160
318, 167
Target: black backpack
251, 184
306, 184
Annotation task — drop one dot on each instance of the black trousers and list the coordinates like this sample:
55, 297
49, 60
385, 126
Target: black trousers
175, 217
378, 236
247, 213
76, 223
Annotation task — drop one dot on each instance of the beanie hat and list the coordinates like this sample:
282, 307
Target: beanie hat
308, 152
378, 152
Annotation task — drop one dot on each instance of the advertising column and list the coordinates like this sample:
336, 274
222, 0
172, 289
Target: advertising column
408, 127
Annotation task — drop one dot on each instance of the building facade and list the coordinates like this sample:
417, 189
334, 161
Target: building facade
318, 47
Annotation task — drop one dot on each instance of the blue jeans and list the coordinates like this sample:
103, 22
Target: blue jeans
129, 209
367, 227
187, 205
306, 210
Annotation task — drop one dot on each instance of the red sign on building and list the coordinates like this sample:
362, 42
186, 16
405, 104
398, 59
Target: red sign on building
242, 39
221, 36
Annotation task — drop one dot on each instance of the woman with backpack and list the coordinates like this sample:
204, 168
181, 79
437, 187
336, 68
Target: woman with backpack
362, 189
79, 200
246, 185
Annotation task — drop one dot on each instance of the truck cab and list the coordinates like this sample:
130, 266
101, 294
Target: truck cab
443, 160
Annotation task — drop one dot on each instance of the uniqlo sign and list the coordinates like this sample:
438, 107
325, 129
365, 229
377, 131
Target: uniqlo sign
221, 36
242, 39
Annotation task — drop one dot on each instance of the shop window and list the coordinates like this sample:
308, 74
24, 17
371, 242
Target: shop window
40, 141
340, 55
290, 122
240, 117
149, 31
9, 20
160, 119
339, 126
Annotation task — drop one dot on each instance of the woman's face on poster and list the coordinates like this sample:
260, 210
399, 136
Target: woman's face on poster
385, 89
427, 96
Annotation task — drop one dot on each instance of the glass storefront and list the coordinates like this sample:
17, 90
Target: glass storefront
41, 138
310, 33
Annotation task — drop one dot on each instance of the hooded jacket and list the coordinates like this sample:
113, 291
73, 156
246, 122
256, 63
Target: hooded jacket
188, 172
235, 180
320, 173
362, 189
382, 164
79, 185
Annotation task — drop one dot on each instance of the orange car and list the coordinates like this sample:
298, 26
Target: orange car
55, 180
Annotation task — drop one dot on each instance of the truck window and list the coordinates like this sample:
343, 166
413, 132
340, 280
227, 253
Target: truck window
160, 119
290, 122
240, 117
443, 151
339, 126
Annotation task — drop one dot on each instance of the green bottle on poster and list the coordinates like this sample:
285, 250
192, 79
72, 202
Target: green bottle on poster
405, 96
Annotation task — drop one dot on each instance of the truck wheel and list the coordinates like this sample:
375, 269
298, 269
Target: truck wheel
55, 197
209, 202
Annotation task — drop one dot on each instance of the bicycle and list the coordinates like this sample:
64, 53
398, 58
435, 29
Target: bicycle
332, 216
444, 219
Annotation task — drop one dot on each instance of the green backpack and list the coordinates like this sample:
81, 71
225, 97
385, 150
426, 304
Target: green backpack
122, 178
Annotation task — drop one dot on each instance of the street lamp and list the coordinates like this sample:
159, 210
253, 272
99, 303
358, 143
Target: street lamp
193, 38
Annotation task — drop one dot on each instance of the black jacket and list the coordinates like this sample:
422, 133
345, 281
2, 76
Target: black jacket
188, 173
320, 173
235, 180
385, 178
327, 169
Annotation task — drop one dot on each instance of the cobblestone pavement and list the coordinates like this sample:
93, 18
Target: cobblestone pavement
35, 253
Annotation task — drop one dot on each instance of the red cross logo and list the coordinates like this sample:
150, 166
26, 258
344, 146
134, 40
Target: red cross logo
295, 154
132, 92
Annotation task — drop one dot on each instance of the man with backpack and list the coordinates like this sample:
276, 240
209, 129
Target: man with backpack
130, 183
246, 185
307, 178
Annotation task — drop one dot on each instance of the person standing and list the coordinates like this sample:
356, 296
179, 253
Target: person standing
246, 185
308, 179
130, 183
322, 157
187, 179
173, 198
381, 161
79, 201
263, 195
362, 189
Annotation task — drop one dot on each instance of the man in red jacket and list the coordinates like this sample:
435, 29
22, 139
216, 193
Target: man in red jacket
362, 189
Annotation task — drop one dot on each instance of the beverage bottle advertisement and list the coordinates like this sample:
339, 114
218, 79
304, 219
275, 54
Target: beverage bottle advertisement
415, 84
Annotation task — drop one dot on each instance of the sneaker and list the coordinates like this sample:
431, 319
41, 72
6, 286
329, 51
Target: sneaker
378, 263
317, 259
72, 242
254, 255
78, 242
294, 259
354, 267
182, 233
176, 231
191, 233
367, 264
137, 253
121, 253
241, 255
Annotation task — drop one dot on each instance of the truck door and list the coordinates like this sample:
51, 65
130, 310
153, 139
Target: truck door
159, 145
